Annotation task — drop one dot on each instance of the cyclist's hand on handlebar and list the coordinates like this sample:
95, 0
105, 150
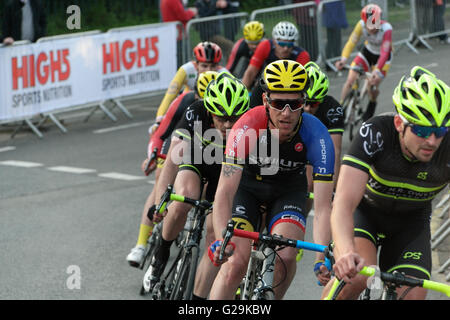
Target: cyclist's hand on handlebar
213, 252
147, 167
348, 266
339, 64
322, 272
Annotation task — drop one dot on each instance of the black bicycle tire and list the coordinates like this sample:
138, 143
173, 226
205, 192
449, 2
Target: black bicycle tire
345, 106
352, 118
180, 277
153, 243
192, 272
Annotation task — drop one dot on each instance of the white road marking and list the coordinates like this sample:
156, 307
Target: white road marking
151, 182
125, 126
71, 169
23, 164
120, 176
10, 148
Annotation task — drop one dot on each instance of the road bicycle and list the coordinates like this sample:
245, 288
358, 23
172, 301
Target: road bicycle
390, 281
178, 282
355, 101
258, 281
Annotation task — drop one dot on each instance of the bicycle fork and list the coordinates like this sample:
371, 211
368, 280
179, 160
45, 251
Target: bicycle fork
263, 280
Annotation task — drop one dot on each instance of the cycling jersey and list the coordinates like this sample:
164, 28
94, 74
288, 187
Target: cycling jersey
161, 137
311, 143
240, 50
331, 114
185, 76
378, 44
265, 54
206, 146
397, 185
283, 192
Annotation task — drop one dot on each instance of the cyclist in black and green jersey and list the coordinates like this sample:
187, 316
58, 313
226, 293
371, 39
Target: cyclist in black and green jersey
394, 168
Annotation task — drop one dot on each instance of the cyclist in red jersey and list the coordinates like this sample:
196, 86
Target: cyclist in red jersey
281, 46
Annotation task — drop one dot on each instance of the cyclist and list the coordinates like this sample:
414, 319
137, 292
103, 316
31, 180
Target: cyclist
207, 56
246, 182
281, 46
225, 100
394, 168
326, 108
161, 141
244, 48
376, 55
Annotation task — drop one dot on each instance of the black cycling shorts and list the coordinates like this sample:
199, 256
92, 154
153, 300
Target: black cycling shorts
404, 241
210, 172
283, 203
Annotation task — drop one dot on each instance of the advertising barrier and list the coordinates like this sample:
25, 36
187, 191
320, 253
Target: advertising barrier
46, 76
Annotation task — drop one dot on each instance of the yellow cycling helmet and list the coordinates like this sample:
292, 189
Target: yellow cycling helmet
253, 31
203, 79
284, 76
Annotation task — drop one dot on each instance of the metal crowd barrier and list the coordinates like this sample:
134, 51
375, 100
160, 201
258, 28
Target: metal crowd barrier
224, 30
428, 21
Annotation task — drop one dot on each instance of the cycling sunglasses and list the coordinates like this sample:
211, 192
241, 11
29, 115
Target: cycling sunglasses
425, 132
288, 44
313, 103
224, 119
281, 104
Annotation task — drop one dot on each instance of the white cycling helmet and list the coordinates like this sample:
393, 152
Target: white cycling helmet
285, 30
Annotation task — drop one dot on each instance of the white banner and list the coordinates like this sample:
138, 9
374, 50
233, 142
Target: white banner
46, 76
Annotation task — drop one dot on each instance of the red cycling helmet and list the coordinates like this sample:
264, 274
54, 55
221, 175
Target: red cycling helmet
371, 15
207, 52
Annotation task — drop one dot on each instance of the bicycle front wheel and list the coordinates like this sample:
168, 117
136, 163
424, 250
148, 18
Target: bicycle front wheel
184, 280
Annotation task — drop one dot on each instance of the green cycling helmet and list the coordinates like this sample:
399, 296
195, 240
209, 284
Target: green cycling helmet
318, 82
423, 99
226, 96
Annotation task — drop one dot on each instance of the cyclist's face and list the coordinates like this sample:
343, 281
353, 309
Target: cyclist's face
206, 66
414, 146
283, 48
222, 124
285, 121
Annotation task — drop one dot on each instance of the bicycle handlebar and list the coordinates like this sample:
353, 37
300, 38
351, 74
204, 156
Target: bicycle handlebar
275, 240
153, 156
170, 196
396, 278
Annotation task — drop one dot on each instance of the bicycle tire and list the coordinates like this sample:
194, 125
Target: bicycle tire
152, 244
251, 278
184, 280
352, 117
347, 107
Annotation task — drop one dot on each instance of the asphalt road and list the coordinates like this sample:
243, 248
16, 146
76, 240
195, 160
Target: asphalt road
70, 204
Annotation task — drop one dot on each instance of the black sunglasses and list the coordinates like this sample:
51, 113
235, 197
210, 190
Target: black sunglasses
281, 104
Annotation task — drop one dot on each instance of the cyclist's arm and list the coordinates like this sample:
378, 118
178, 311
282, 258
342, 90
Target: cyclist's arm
349, 192
174, 88
256, 62
227, 186
235, 54
337, 143
352, 41
385, 51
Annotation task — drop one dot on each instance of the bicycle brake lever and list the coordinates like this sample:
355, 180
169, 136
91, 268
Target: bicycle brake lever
227, 235
164, 199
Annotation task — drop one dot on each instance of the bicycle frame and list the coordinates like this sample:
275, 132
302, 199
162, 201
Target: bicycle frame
172, 285
392, 280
